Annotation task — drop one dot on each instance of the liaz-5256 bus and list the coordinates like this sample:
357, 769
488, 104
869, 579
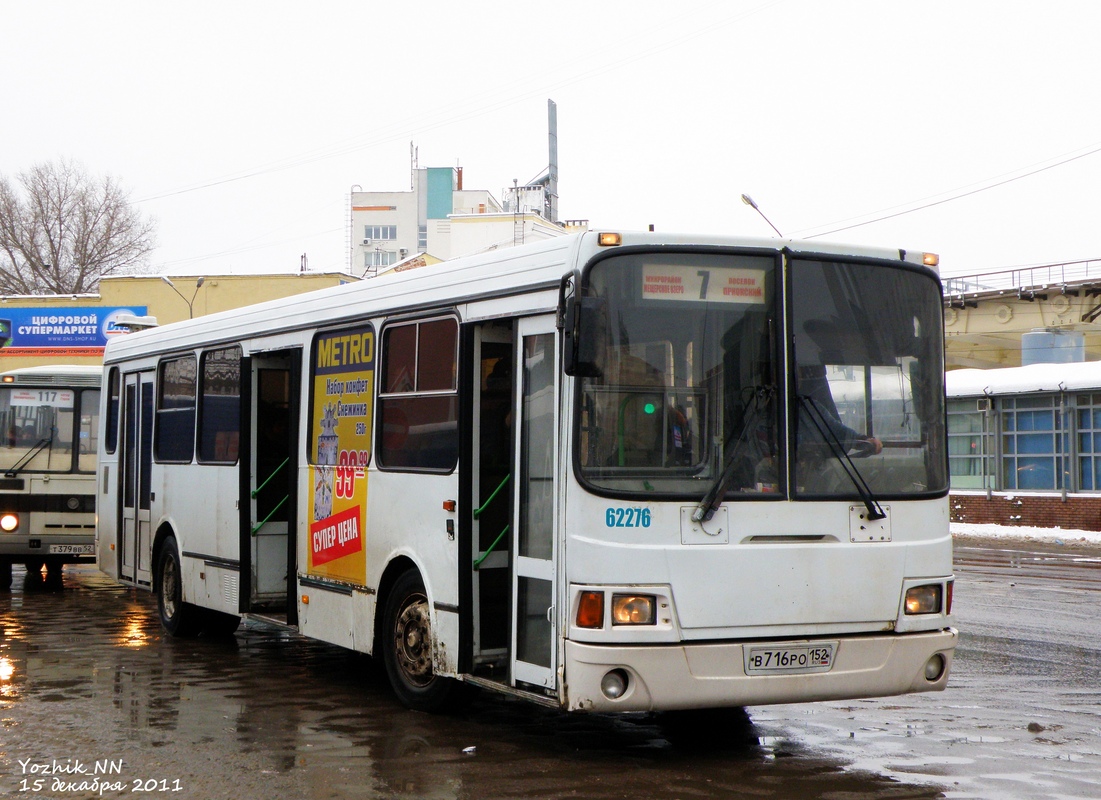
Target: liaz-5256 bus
49, 421
605, 472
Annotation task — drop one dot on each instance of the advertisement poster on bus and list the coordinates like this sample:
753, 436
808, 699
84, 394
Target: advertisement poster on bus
61, 331
343, 372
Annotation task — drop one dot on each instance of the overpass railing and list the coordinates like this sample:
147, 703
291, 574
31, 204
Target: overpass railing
1069, 274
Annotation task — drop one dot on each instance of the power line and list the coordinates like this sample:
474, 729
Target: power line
957, 196
509, 95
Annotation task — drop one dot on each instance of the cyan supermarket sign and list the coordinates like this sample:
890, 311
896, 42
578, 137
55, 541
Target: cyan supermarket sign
61, 328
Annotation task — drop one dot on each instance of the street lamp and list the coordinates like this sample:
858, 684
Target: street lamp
749, 202
191, 302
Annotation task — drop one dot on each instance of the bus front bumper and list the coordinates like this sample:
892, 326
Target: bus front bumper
56, 547
713, 675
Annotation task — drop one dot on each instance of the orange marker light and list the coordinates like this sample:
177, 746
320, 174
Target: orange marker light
590, 610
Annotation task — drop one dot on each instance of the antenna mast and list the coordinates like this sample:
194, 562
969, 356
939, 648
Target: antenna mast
552, 168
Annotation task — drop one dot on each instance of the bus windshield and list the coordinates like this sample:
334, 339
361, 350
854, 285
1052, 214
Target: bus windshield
687, 386
47, 429
691, 392
868, 380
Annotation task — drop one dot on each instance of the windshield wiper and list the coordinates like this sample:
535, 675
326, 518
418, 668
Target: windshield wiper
829, 436
34, 450
714, 497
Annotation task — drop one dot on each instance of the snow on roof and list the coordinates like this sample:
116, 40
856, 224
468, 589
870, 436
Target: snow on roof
1020, 380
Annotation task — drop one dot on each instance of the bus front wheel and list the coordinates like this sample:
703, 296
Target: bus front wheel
407, 648
178, 618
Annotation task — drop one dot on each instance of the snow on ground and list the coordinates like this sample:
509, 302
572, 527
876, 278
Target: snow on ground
1057, 536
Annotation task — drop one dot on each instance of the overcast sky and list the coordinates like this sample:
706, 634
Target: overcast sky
240, 127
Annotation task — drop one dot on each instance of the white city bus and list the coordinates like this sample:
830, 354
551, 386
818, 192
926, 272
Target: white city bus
49, 421
605, 472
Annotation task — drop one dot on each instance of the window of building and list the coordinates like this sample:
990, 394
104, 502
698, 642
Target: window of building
970, 443
1034, 443
1088, 416
379, 258
419, 398
376, 233
219, 406
174, 436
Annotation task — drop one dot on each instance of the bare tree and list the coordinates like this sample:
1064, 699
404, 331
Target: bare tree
66, 230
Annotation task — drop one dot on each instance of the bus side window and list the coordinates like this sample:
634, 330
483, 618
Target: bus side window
219, 405
418, 403
174, 438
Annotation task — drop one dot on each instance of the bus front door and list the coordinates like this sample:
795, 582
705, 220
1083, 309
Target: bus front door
272, 470
491, 499
534, 643
135, 534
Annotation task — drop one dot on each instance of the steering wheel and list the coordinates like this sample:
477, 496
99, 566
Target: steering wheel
862, 448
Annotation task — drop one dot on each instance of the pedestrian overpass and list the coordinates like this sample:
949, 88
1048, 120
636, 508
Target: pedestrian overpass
1022, 316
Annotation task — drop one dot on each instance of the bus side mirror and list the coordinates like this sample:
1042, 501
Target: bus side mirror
583, 336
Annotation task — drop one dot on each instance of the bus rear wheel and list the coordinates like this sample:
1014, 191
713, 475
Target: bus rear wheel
178, 618
407, 648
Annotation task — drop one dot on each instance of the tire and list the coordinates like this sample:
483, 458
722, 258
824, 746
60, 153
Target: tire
5, 575
407, 649
177, 617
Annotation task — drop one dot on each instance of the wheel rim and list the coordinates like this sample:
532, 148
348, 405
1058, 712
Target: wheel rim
412, 638
169, 586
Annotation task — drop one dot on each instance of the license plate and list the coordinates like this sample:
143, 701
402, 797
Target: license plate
790, 659
71, 549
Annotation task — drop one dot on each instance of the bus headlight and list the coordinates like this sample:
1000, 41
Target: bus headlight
923, 599
9, 522
633, 609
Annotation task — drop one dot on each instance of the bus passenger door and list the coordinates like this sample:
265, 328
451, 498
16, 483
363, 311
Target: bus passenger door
273, 468
534, 647
491, 497
135, 537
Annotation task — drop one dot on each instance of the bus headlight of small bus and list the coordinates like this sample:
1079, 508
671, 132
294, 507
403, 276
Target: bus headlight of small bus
9, 522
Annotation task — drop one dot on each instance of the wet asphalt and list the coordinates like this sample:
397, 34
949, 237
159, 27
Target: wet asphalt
96, 701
